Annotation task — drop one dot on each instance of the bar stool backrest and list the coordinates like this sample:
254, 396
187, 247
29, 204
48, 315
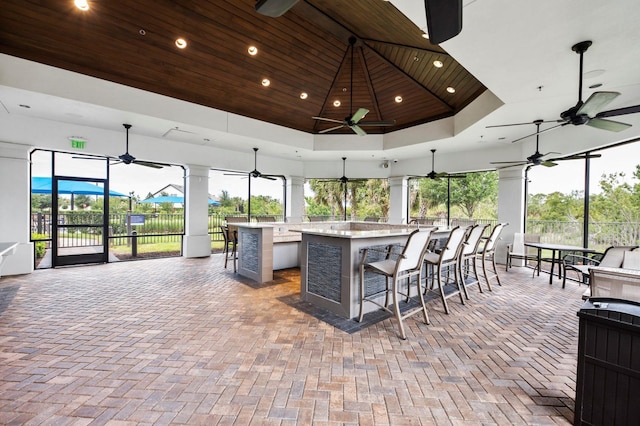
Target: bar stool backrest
473, 240
493, 238
451, 249
413, 253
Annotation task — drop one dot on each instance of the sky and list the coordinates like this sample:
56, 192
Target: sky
569, 175
565, 177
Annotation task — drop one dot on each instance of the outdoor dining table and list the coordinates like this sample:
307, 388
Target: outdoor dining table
559, 248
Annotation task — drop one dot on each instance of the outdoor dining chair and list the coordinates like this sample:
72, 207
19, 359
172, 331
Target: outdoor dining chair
517, 249
612, 257
396, 267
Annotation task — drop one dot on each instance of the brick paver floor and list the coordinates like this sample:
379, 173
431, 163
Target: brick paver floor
182, 341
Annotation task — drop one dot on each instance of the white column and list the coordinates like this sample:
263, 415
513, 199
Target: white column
511, 207
197, 242
295, 199
398, 200
15, 223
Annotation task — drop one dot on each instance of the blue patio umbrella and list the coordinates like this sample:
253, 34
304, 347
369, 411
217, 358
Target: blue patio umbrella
173, 199
42, 185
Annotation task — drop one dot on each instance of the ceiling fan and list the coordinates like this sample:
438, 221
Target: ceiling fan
537, 158
433, 175
127, 158
352, 121
255, 173
589, 112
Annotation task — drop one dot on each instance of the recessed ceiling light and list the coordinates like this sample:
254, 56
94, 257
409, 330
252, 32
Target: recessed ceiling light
398, 99
451, 89
142, 32
82, 4
336, 103
265, 82
304, 95
416, 59
252, 50
437, 64
181, 43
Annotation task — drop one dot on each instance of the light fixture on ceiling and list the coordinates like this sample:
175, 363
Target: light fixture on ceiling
451, 89
266, 82
398, 99
142, 32
252, 50
181, 43
438, 64
304, 95
82, 4
336, 103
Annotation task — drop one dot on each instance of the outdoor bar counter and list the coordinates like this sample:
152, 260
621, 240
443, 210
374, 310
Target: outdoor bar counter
330, 261
328, 254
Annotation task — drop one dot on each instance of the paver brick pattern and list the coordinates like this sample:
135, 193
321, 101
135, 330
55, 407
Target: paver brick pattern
183, 341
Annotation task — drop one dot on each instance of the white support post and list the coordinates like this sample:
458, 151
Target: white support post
197, 242
511, 207
398, 200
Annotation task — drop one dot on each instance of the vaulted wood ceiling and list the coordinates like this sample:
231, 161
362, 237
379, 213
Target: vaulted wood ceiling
305, 50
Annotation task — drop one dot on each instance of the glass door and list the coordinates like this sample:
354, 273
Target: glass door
79, 223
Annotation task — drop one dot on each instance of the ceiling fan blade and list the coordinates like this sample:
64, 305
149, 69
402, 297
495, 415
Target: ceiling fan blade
520, 124
268, 177
148, 164
377, 123
596, 103
610, 125
548, 163
328, 119
540, 132
358, 130
359, 115
576, 157
620, 111
456, 176
331, 129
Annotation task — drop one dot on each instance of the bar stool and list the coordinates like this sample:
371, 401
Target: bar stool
487, 253
230, 246
406, 265
467, 263
443, 262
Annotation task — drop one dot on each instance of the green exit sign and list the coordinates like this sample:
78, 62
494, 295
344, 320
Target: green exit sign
77, 143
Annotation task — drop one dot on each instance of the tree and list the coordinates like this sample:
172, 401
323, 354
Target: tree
473, 189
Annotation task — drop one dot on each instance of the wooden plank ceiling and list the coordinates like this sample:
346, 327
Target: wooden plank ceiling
305, 50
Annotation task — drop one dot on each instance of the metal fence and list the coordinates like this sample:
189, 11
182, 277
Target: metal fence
601, 234
165, 227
